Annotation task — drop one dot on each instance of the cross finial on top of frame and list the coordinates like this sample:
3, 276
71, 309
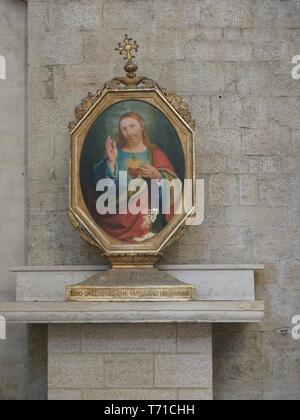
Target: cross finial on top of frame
128, 46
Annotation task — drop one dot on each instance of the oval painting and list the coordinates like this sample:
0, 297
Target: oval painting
131, 154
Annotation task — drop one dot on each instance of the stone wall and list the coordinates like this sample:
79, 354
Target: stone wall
13, 352
143, 362
231, 59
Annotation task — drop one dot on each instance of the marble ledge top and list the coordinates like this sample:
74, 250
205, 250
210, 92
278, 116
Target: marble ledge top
186, 267
132, 312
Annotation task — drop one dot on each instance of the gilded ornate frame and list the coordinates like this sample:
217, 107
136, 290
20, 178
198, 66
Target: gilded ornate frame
130, 87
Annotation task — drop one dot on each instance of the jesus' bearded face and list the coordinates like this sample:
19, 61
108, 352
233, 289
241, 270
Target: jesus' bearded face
131, 130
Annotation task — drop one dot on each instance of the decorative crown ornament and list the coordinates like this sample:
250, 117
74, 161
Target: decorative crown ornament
132, 81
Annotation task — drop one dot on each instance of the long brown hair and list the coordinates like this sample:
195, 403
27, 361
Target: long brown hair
141, 121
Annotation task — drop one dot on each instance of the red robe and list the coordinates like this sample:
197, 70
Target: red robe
128, 227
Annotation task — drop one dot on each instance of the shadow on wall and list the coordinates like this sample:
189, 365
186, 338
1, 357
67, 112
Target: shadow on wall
13, 350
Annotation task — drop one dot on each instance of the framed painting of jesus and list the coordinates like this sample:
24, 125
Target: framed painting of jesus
132, 168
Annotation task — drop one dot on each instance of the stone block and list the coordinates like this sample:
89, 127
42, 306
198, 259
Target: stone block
296, 141
287, 303
201, 110
269, 142
294, 34
223, 190
257, 34
41, 232
175, 13
13, 381
276, 243
202, 34
238, 378
42, 154
248, 190
202, 51
78, 15
232, 34
237, 343
294, 215
211, 164
75, 371
220, 164
221, 141
232, 253
274, 190
244, 112
48, 195
36, 387
281, 394
37, 343
37, 362
207, 80
194, 338
268, 51
276, 14
195, 395
38, 16
278, 386
296, 236
236, 164
229, 284
284, 112
183, 371
73, 82
254, 79
234, 52
57, 48
226, 13
64, 339
41, 83
129, 371
215, 112
10, 104
97, 48
134, 338
255, 216
290, 165
14, 348
64, 395
264, 165
35, 286
129, 394
127, 14
281, 80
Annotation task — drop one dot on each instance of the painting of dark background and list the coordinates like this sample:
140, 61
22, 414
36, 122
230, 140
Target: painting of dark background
160, 130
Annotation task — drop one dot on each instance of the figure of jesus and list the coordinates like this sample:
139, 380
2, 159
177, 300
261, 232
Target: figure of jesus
135, 154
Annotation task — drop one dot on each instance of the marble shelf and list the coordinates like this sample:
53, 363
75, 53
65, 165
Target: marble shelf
133, 312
